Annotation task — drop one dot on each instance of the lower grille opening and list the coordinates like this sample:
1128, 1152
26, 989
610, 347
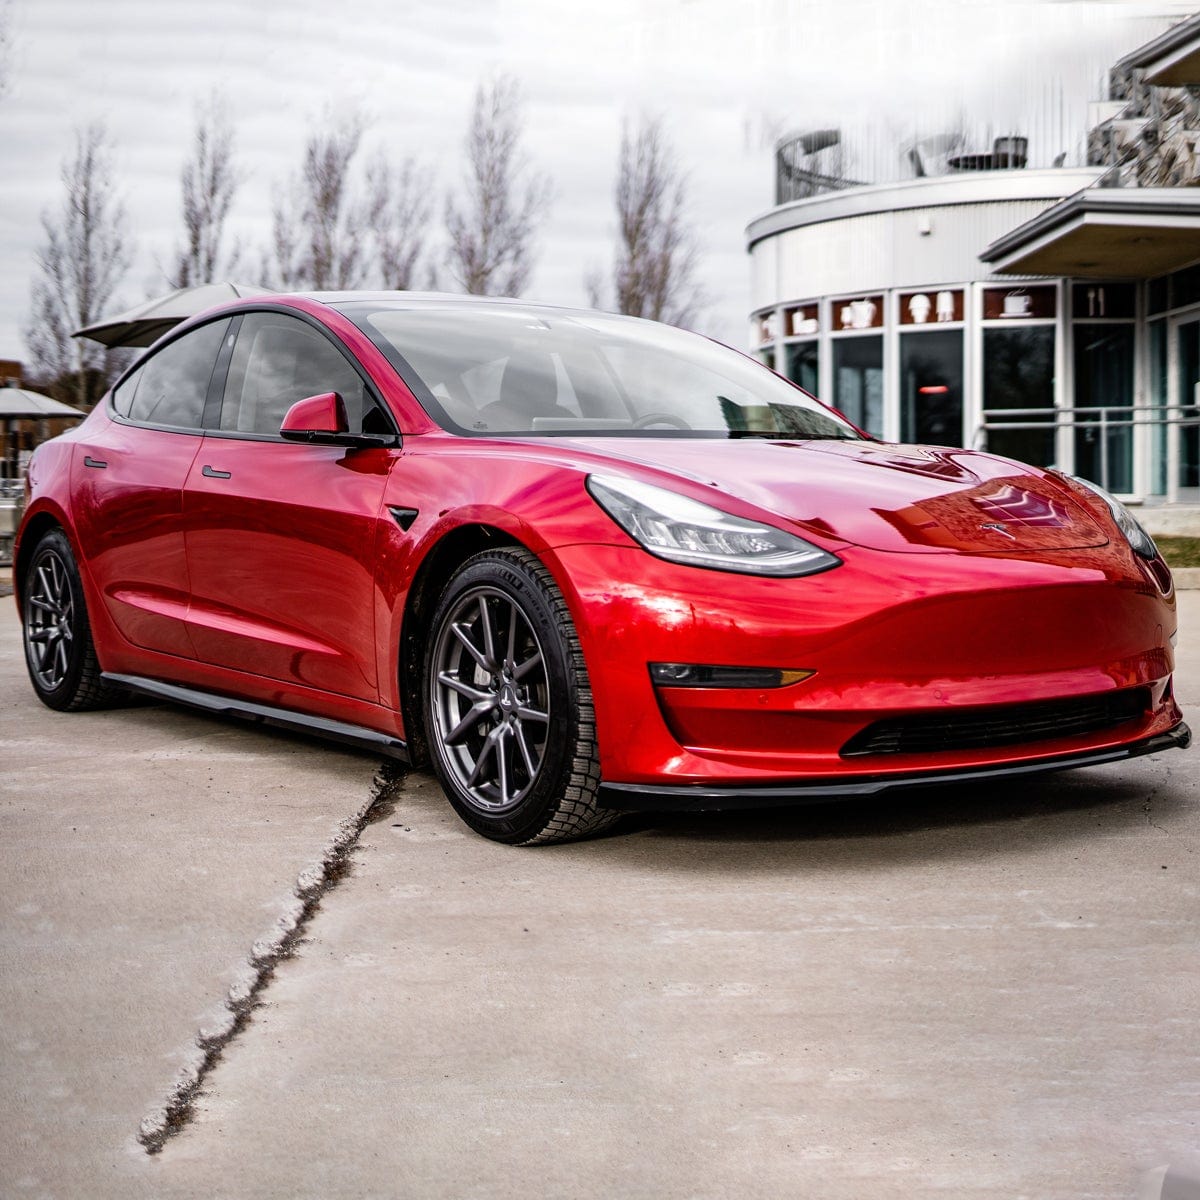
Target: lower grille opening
998, 725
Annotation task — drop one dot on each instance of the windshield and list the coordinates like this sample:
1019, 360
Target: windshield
522, 371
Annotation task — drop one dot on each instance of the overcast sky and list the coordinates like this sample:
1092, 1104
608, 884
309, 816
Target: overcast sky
727, 76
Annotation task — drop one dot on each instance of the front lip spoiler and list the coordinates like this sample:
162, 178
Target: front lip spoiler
693, 797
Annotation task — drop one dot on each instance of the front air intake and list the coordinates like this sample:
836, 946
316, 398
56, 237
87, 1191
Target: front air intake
998, 725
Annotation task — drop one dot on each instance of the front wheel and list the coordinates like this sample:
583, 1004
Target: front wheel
59, 650
508, 708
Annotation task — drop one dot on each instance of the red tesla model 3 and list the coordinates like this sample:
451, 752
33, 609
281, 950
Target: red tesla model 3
581, 563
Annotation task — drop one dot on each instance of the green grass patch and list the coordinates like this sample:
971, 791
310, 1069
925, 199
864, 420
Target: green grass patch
1180, 551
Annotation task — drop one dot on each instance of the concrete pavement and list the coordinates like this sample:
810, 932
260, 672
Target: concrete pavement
985, 993
145, 851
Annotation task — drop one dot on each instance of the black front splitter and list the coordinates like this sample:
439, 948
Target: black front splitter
690, 797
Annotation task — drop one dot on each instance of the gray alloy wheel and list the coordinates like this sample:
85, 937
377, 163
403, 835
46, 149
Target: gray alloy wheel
508, 708
59, 651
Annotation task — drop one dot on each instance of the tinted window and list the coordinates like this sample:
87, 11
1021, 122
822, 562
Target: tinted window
279, 360
170, 387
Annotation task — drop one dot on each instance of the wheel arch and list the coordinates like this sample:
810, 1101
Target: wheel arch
32, 532
435, 571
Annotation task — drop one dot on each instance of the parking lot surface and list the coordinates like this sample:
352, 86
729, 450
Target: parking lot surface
975, 992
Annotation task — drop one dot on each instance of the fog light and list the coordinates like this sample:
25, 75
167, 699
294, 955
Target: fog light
698, 675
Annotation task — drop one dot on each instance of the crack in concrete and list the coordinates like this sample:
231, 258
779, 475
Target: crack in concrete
245, 994
1147, 808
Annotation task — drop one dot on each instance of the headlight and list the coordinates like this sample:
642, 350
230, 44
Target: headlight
1135, 535
685, 531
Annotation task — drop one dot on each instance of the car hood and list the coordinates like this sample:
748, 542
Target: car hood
888, 497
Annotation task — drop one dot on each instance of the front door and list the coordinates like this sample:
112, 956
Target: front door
281, 546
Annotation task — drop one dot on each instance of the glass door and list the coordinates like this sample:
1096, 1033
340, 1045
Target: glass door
1183, 436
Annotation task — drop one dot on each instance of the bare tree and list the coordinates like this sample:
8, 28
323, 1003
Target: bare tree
397, 216
491, 229
209, 180
318, 229
656, 259
82, 261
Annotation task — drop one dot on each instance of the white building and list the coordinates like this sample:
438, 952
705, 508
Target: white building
1047, 313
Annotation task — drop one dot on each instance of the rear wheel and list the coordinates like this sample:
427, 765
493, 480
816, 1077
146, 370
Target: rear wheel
59, 651
508, 708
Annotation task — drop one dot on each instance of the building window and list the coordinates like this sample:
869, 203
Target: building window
1104, 382
1018, 373
931, 387
858, 381
803, 362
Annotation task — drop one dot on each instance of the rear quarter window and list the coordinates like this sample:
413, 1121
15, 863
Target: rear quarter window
171, 387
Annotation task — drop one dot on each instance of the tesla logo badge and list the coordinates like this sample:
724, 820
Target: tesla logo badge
998, 528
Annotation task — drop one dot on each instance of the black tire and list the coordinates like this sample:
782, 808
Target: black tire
508, 708
59, 650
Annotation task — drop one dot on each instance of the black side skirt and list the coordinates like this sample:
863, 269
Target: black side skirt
652, 797
338, 731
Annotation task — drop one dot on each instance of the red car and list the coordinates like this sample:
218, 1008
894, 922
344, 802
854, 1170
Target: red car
580, 562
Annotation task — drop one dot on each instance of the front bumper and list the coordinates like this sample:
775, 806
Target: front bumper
639, 797
886, 637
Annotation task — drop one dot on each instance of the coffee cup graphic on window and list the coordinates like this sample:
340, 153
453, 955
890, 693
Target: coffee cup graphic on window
1018, 304
858, 314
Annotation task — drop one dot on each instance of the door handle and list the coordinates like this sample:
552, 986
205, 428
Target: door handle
89, 461
209, 473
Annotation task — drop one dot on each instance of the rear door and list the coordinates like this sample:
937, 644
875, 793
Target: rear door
128, 489
281, 535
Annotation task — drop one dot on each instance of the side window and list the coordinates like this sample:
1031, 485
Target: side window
170, 388
279, 360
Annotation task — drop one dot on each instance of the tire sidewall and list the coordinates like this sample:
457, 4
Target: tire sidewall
506, 574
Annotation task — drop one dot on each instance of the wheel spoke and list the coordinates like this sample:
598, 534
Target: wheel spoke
41, 635
528, 665
469, 721
43, 606
485, 753
510, 654
502, 762
460, 631
524, 747
532, 714
489, 639
463, 689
